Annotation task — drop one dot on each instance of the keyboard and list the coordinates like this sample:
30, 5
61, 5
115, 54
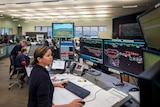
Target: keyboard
77, 90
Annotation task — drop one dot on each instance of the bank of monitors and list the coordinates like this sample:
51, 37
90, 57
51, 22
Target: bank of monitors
92, 49
124, 55
63, 30
67, 50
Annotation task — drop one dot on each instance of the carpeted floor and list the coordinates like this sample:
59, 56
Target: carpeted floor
15, 97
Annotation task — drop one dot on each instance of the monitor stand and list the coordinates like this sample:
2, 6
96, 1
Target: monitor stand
120, 83
92, 71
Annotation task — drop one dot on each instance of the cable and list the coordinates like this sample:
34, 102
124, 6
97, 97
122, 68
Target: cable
96, 93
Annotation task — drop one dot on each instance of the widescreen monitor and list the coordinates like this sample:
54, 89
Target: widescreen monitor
67, 50
150, 25
125, 56
91, 49
63, 30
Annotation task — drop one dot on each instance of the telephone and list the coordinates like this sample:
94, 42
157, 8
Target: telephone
77, 69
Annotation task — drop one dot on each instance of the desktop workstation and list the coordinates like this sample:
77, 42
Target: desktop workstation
93, 52
126, 56
90, 77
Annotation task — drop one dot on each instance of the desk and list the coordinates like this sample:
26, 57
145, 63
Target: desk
105, 80
97, 98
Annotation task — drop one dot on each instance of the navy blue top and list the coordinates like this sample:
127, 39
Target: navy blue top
19, 59
40, 88
15, 50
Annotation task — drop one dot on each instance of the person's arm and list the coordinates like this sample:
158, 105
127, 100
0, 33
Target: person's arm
23, 63
60, 84
74, 103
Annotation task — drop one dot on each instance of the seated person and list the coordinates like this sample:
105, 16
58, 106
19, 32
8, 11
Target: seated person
20, 61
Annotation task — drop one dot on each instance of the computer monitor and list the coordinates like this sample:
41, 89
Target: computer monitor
32, 50
67, 50
149, 84
150, 25
91, 49
28, 49
150, 57
129, 29
63, 30
126, 56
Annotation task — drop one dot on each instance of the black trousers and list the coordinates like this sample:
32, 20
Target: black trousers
12, 60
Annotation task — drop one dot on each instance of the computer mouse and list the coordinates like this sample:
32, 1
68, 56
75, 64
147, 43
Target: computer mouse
65, 84
133, 89
82, 102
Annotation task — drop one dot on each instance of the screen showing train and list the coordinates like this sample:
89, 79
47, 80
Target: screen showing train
124, 55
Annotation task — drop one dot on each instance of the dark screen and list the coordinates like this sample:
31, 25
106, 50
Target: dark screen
149, 84
130, 29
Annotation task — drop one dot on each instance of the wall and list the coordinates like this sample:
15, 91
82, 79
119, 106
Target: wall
125, 20
29, 26
8, 23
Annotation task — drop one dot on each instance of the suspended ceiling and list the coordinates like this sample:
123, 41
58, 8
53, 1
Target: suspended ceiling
58, 10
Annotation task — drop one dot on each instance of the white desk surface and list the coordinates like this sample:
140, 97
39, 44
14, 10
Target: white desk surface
135, 95
97, 98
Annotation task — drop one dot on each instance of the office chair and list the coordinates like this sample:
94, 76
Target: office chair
16, 80
11, 69
16, 73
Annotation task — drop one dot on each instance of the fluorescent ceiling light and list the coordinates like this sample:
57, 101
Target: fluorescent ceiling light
132, 6
40, 14
43, 9
53, 13
102, 15
69, 13
84, 12
80, 7
73, 16
102, 6
27, 14
61, 8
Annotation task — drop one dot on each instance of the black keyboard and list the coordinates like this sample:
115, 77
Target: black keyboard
77, 90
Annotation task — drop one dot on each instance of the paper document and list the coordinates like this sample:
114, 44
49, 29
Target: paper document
112, 96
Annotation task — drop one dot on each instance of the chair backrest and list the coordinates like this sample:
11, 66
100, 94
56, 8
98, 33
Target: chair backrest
27, 60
